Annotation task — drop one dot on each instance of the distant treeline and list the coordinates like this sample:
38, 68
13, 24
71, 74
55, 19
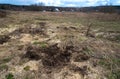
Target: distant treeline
105, 9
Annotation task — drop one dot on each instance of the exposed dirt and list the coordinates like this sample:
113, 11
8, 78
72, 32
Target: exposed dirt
44, 49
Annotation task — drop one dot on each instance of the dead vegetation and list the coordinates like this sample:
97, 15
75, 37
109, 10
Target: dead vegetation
4, 38
30, 30
53, 47
3, 14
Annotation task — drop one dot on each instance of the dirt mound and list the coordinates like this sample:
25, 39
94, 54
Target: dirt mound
81, 58
56, 57
52, 56
81, 70
53, 59
33, 53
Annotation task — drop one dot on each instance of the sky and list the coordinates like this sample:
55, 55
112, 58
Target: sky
63, 3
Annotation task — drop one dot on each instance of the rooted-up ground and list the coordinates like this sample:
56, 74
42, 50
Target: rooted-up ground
45, 45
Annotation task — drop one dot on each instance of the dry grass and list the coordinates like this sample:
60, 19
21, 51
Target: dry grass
3, 14
58, 42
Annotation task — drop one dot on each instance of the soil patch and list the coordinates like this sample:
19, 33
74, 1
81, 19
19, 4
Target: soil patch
51, 56
4, 39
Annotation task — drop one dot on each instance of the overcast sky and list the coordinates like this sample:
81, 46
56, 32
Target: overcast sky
63, 3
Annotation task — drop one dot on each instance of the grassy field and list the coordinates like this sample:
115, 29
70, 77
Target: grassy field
59, 45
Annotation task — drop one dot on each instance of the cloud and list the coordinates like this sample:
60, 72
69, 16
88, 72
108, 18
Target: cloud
50, 2
67, 3
73, 2
70, 5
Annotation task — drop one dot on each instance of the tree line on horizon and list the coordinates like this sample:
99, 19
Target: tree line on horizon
42, 7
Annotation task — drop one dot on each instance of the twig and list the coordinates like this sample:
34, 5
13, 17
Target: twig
88, 30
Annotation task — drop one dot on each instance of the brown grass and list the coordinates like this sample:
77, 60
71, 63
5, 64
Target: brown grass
58, 40
3, 14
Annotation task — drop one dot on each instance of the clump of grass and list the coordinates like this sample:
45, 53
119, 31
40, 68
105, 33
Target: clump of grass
111, 64
114, 75
26, 78
27, 68
88, 51
41, 44
36, 42
25, 21
9, 76
115, 38
104, 63
5, 60
3, 67
82, 38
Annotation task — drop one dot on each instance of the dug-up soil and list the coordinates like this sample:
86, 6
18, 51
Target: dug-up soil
50, 51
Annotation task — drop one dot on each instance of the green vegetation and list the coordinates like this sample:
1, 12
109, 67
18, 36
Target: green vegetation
36, 43
99, 21
5, 60
111, 64
114, 75
62, 24
9, 76
26, 78
41, 44
88, 51
27, 68
3, 67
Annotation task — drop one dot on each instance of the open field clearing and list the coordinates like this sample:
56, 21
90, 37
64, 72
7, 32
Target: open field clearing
59, 45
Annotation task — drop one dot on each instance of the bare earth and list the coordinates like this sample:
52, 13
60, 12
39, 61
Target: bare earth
45, 45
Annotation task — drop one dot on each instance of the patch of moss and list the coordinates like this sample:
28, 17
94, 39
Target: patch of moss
27, 68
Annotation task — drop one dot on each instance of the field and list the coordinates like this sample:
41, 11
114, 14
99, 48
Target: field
59, 45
